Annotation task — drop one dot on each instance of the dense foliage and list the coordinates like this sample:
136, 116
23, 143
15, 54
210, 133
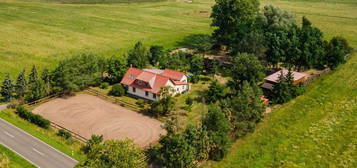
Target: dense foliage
233, 18
285, 89
114, 153
33, 118
117, 90
94, 140
64, 134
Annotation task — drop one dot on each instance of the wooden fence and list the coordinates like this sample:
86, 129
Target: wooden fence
316, 76
132, 106
75, 135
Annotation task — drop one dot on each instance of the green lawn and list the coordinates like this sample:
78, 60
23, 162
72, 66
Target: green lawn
46, 135
319, 128
43, 33
15, 160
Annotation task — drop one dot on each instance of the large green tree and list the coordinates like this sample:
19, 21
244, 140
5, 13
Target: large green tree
114, 153
312, 46
21, 84
233, 19
138, 56
7, 88
157, 52
337, 49
197, 64
215, 92
245, 109
246, 67
33, 76
218, 127
275, 18
176, 152
116, 69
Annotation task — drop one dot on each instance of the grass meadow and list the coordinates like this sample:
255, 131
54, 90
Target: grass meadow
14, 160
319, 128
43, 33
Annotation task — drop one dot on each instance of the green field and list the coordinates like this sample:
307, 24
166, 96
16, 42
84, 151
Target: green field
15, 160
319, 128
44, 33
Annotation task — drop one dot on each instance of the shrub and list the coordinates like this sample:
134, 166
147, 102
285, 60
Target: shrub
117, 90
141, 103
94, 140
64, 134
104, 85
189, 101
33, 118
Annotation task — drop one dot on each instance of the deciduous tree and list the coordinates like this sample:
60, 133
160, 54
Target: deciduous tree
138, 56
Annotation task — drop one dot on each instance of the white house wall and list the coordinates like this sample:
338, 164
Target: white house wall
141, 93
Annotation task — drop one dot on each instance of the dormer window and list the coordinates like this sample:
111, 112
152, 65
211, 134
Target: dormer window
132, 77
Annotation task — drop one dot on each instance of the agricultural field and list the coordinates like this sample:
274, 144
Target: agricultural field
43, 33
317, 129
11, 159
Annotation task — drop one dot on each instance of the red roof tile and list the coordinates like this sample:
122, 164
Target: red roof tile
173, 74
156, 81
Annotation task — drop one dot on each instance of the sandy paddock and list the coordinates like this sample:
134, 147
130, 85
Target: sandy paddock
87, 115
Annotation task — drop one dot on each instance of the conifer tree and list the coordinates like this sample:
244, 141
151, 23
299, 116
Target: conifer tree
33, 77
7, 88
21, 84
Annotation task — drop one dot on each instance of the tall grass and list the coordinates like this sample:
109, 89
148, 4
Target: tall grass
9, 159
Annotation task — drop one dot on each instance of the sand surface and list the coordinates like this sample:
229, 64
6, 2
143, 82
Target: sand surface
86, 115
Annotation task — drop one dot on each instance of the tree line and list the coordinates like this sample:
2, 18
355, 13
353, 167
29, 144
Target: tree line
273, 35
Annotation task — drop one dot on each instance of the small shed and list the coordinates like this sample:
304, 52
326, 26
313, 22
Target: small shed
274, 78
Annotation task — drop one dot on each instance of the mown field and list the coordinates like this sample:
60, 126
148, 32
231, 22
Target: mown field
319, 128
43, 33
13, 160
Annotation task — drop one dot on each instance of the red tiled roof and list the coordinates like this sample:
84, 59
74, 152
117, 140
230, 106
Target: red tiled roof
179, 83
145, 76
173, 74
156, 81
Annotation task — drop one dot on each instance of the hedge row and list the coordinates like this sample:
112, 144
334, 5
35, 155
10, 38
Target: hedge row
33, 118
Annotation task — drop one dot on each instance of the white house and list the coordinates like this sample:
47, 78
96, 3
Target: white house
147, 83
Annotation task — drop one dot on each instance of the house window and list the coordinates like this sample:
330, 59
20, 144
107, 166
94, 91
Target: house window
154, 95
146, 93
134, 90
178, 89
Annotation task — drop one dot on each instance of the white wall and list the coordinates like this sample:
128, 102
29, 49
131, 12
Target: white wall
141, 93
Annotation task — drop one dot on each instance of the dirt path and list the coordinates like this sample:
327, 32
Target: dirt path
87, 115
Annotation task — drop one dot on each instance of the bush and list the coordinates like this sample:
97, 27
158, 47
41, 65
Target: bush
64, 134
189, 101
117, 90
33, 118
104, 85
141, 103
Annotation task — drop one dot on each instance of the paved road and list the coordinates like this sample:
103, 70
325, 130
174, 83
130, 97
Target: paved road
32, 149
